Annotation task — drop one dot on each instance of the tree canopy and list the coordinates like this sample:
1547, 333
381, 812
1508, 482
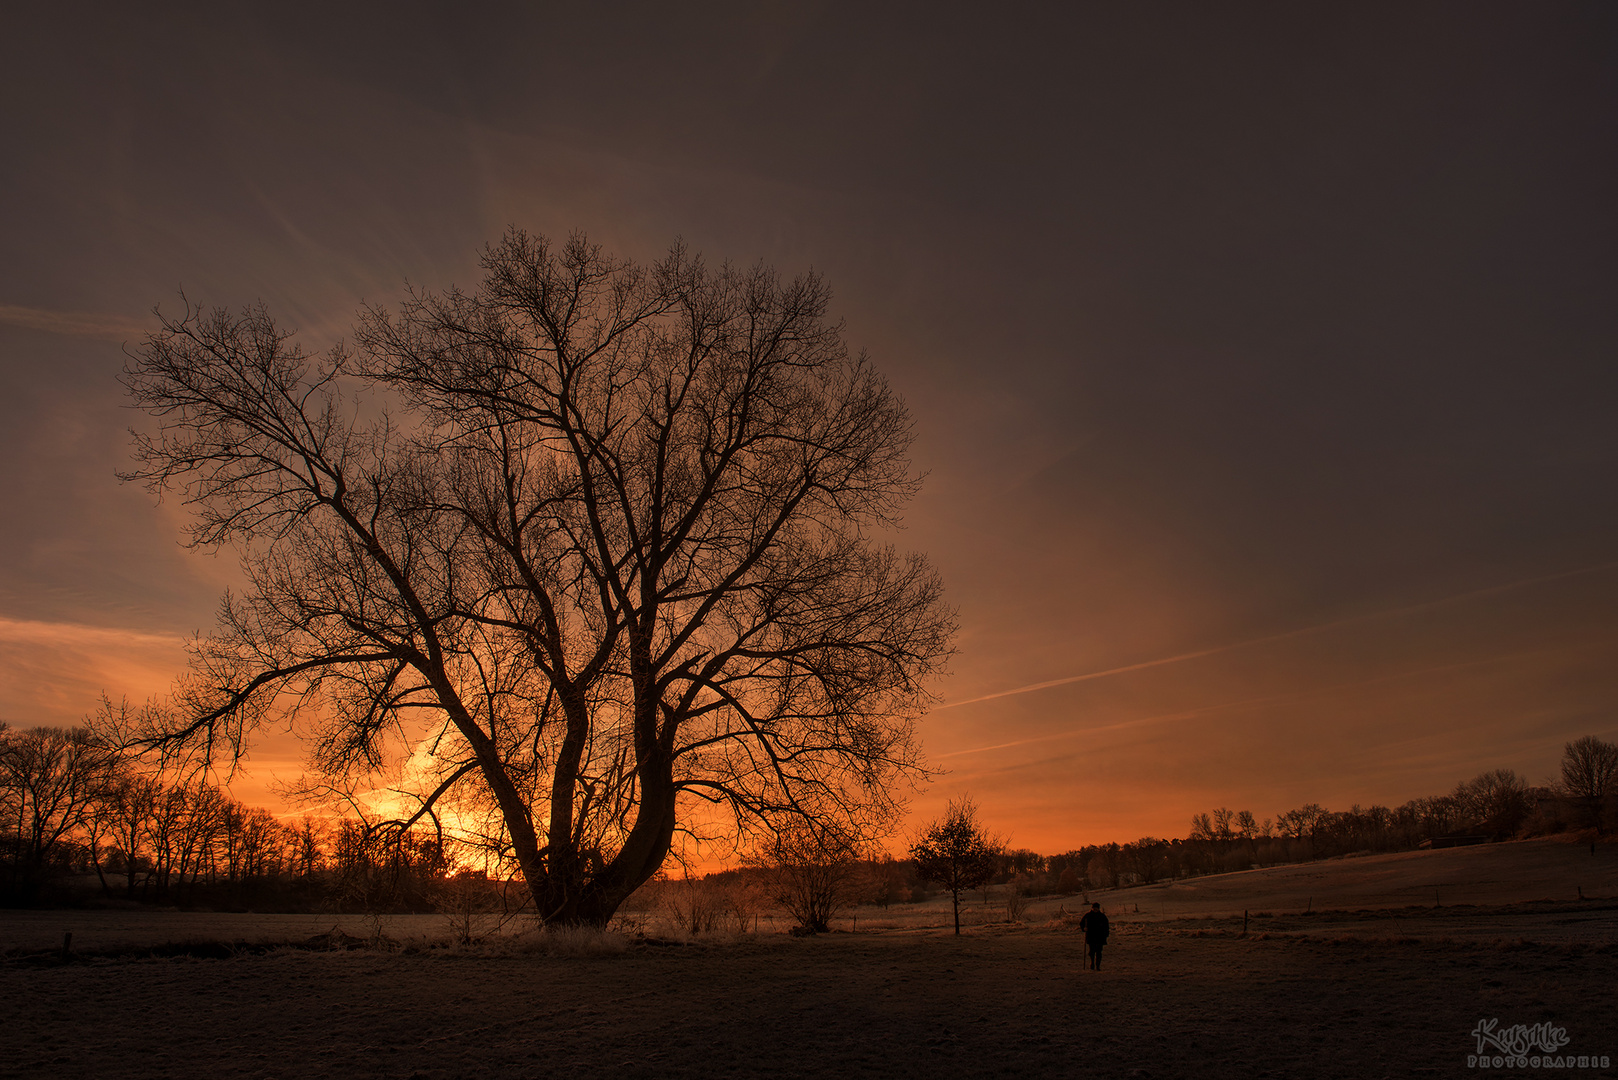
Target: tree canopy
595, 540
1590, 768
957, 852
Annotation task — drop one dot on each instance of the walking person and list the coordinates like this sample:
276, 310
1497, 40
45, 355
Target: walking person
1095, 928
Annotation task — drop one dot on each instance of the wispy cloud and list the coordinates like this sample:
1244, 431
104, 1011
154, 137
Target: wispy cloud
73, 323
53, 673
32, 632
1269, 699
1286, 635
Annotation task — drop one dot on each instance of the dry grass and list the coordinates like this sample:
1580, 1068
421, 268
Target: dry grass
567, 941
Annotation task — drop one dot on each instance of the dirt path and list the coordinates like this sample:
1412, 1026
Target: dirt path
1169, 1004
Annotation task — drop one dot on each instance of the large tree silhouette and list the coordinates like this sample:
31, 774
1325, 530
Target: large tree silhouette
596, 540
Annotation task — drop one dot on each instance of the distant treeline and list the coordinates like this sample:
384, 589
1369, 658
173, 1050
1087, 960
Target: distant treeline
1493, 805
82, 822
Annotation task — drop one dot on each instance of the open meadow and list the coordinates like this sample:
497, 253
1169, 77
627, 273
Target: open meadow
1351, 979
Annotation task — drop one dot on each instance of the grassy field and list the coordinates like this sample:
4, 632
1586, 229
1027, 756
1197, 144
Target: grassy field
1340, 974
1492, 875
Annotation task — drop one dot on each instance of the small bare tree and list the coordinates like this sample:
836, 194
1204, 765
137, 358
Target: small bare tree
813, 872
957, 852
1016, 899
469, 904
694, 905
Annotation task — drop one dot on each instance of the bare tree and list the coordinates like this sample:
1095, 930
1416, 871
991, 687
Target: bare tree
1303, 822
1246, 825
308, 848
469, 904
1590, 768
126, 809
1496, 800
50, 781
614, 554
701, 905
1590, 773
1146, 858
378, 873
815, 870
1016, 899
957, 852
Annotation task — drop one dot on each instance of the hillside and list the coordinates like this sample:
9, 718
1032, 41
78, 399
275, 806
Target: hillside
1489, 874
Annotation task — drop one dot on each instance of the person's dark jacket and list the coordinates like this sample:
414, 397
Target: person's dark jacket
1095, 927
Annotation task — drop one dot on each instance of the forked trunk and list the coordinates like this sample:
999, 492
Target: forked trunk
573, 899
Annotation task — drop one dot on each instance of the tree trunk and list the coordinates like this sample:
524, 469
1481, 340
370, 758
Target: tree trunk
95, 861
574, 901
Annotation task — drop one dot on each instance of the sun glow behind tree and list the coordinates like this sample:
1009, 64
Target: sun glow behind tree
616, 561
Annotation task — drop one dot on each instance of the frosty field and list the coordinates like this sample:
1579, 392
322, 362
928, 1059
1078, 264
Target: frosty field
1379, 991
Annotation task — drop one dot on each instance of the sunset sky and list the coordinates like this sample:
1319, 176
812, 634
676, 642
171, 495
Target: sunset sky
1263, 357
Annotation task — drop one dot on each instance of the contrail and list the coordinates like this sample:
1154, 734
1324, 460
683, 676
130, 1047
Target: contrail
78, 323
1283, 636
1295, 695
1074, 732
